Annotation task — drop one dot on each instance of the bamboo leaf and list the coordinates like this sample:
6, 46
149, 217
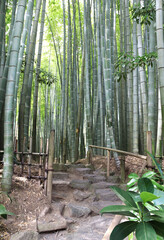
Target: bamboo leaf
122, 230
145, 231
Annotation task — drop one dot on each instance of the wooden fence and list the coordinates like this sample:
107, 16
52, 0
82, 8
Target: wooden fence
45, 165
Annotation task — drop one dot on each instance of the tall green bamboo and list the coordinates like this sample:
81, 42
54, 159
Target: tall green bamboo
9, 99
35, 101
26, 75
160, 51
135, 91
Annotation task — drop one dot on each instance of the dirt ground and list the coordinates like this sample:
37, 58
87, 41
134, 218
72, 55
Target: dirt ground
28, 199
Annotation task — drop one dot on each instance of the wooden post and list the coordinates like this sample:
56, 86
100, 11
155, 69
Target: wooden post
149, 148
108, 163
89, 156
30, 157
40, 157
123, 169
50, 164
24, 143
45, 168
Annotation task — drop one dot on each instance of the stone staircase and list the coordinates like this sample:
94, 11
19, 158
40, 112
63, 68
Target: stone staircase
80, 193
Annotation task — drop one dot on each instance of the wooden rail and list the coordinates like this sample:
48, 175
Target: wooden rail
122, 160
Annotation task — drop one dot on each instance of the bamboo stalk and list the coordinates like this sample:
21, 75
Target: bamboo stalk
46, 166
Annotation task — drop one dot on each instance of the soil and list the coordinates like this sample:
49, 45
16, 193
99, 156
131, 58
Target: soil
28, 199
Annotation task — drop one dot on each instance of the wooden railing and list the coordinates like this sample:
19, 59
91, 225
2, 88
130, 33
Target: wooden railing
147, 162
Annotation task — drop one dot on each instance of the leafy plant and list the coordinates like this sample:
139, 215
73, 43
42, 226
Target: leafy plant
144, 209
4, 212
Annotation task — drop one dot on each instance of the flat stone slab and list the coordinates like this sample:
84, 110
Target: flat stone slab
75, 210
80, 196
102, 185
80, 184
25, 235
60, 175
98, 205
106, 195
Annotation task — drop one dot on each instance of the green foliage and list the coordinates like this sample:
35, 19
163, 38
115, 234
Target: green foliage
4, 212
45, 77
144, 207
128, 63
146, 13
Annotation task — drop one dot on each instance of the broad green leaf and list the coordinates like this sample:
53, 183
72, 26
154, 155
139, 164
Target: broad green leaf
159, 227
124, 196
4, 212
145, 185
158, 219
148, 197
145, 231
136, 196
159, 213
122, 230
133, 175
149, 174
119, 209
160, 200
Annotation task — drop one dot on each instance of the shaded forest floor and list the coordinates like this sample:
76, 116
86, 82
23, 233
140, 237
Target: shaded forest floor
28, 199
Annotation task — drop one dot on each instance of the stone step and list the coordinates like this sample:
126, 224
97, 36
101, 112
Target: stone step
102, 185
80, 184
60, 185
60, 175
80, 171
114, 179
106, 195
94, 178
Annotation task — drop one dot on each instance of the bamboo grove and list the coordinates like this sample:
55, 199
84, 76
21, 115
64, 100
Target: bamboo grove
93, 70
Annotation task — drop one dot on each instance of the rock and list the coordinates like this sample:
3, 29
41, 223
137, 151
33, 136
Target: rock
80, 196
106, 195
25, 235
60, 175
98, 205
74, 210
52, 220
80, 184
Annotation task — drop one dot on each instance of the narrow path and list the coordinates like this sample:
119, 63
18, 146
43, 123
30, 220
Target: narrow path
80, 193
